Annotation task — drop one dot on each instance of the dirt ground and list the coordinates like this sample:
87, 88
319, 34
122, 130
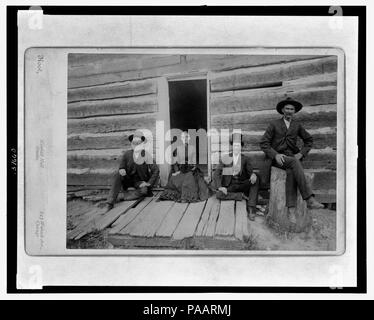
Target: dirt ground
321, 237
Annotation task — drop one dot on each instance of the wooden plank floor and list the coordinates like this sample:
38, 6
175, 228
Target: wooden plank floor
153, 223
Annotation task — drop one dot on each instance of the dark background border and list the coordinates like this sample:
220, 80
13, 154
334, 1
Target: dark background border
12, 104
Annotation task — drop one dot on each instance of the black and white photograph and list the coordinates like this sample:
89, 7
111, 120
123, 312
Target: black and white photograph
195, 151
232, 152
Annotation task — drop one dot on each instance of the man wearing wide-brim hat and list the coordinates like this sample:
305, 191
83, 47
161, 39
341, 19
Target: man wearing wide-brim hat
279, 143
136, 178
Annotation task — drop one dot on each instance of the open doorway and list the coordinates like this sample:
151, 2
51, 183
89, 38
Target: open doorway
188, 107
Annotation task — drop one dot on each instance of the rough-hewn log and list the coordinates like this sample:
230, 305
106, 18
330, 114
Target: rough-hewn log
109, 158
259, 76
254, 100
322, 138
83, 109
90, 177
113, 140
187, 65
241, 61
113, 90
316, 159
112, 123
311, 117
278, 212
106, 63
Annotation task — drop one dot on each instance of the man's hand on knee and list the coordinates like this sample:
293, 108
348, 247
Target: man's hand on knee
280, 158
122, 172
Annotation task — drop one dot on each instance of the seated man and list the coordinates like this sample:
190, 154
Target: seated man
279, 143
133, 174
237, 181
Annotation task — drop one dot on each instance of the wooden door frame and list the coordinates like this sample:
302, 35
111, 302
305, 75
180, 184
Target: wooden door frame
164, 112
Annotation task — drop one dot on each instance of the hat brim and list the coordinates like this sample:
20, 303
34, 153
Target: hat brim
298, 106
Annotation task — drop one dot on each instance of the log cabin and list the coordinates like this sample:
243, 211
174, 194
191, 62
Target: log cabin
111, 95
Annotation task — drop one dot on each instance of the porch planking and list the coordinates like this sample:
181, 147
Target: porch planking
171, 224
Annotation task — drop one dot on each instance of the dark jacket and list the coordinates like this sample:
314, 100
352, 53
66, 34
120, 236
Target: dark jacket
139, 172
224, 180
278, 139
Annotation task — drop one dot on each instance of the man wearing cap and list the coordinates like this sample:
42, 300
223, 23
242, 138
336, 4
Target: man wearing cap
279, 145
134, 173
235, 180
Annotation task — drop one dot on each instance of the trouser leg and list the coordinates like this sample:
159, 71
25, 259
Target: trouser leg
115, 188
298, 173
253, 193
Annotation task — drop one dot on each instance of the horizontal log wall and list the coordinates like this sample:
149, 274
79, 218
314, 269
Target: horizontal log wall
102, 116
245, 98
110, 96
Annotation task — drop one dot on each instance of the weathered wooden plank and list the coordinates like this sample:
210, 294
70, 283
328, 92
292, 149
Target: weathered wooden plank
241, 60
323, 179
130, 215
113, 90
218, 63
149, 226
108, 159
255, 100
311, 117
259, 76
189, 221
114, 140
171, 220
117, 63
205, 216
195, 243
241, 227
143, 214
90, 177
81, 159
89, 217
110, 140
112, 215
226, 219
141, 104
112, 123
211, 225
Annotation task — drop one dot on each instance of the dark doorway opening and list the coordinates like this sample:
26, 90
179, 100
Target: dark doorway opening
188, 107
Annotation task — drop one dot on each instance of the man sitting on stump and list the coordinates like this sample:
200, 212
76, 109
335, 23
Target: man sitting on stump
135, 175
279, 145
235, 180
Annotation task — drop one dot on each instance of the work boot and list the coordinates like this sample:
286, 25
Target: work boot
312, 203
251, 213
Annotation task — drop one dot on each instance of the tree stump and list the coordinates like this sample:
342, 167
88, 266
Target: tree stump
277, 216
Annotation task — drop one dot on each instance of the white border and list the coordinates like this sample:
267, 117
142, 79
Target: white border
212, 31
